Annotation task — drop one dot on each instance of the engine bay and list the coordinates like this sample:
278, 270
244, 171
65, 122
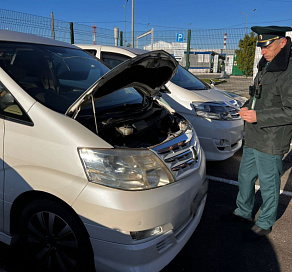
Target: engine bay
140, 127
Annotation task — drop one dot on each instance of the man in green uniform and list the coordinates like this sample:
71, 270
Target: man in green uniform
268, 130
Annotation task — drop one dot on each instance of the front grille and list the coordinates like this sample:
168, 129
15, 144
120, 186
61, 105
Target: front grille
181, 154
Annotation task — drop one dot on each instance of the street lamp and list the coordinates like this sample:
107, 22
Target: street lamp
133, 23
125, 6
247, 19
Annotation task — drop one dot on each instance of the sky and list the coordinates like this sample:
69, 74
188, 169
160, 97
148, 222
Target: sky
160, 14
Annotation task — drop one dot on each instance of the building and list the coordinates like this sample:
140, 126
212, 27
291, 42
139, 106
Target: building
200, 60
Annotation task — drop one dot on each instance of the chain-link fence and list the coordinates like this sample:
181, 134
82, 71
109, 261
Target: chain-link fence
60, 30
52, 28
210, 50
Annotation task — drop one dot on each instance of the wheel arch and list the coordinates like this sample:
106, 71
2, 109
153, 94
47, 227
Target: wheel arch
30, 196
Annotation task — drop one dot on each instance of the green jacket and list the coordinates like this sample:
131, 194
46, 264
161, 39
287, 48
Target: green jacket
272, 132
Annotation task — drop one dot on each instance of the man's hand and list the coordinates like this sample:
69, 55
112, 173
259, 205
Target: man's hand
247, 115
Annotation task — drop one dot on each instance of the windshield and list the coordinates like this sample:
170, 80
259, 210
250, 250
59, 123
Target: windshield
188, 81
57, 76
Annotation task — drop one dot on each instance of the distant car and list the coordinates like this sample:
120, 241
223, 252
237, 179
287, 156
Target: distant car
96, 173
213, 114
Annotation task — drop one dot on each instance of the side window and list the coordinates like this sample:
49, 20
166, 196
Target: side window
112, 59
91, 52
9, 107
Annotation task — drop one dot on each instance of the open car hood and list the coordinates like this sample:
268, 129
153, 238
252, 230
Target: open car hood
150, 71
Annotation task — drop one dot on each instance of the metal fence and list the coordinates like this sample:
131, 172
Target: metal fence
52, 28
211, 50
44, 26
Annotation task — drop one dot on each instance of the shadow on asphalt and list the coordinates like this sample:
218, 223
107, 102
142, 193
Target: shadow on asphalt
219, 169
284, 199
287, 164
219, 246
227, 169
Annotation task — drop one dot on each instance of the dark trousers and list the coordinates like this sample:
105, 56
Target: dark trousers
268, 169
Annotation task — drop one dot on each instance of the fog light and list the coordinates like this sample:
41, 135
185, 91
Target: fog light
138, 235
221, 142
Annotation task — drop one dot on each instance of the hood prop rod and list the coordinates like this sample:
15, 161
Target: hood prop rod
94, 114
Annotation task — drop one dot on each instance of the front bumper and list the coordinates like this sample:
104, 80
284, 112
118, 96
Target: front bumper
219, 139
149, 256
109, 215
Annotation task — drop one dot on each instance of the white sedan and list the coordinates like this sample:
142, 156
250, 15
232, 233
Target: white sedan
213, 114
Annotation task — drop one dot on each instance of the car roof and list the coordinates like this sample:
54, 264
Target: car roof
111, 48
14, 36
136, 51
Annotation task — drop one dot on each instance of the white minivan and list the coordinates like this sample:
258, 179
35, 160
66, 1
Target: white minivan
213, 114
97, 174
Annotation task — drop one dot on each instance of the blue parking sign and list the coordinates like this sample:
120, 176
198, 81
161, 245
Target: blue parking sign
179, 37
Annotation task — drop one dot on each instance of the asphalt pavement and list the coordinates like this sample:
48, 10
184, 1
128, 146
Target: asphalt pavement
234, 84
218, 246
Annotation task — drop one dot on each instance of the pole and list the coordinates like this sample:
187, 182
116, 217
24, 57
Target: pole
53, 27
146, 31
94, 33
116, 35
72, 33
152, 38
125, 6
188, 50
133, 23
125, 19
121, 38
246, 22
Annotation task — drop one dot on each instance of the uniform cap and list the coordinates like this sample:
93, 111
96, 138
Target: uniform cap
268, 34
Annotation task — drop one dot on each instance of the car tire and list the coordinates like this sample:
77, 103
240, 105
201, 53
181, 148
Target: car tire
54, 238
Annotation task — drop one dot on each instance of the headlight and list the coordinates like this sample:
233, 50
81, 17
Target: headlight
125, 169
210, 110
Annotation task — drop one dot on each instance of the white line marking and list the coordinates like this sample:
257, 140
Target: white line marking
234, 182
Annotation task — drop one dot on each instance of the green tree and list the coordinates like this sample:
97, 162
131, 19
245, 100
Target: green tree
246, 52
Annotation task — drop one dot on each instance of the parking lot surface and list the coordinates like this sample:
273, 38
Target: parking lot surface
219, 246
235, 84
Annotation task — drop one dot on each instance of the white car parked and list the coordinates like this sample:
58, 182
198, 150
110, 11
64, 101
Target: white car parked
96, 173
213, 114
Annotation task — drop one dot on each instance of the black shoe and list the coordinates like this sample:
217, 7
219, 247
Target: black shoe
232, 217
256, 233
